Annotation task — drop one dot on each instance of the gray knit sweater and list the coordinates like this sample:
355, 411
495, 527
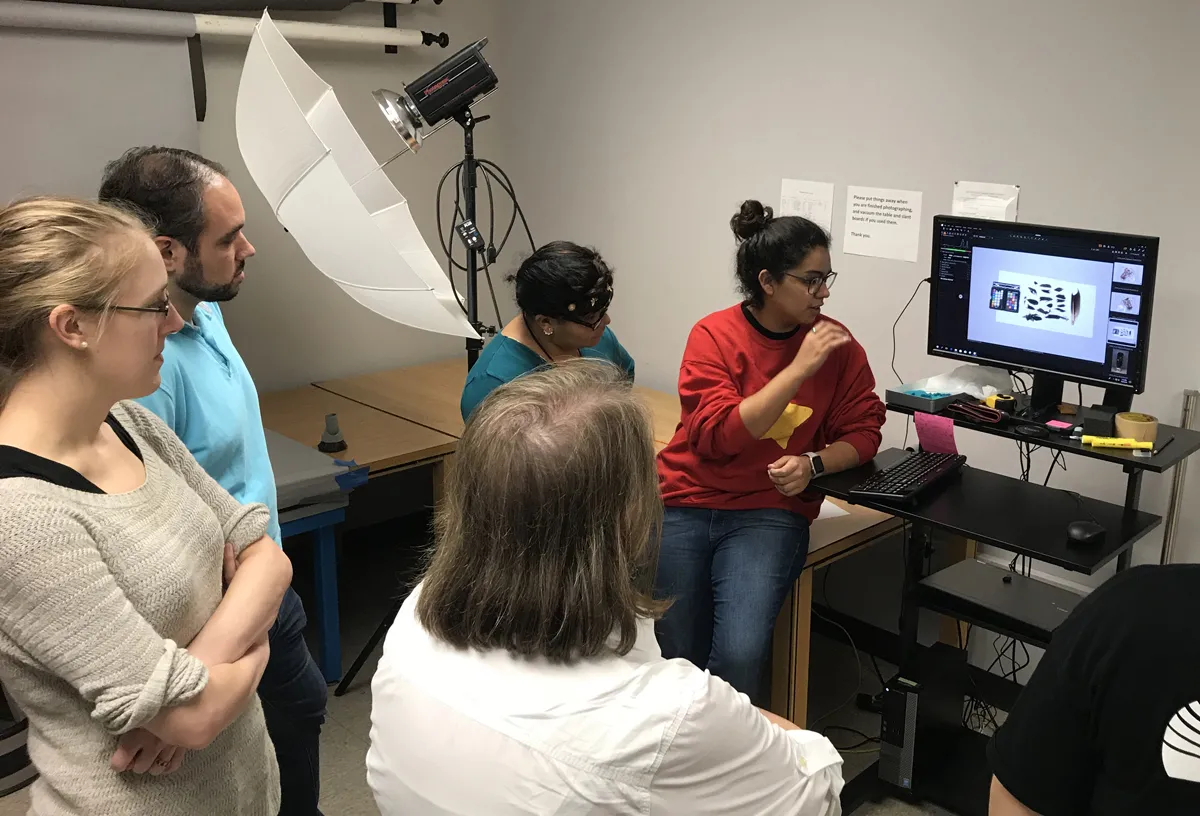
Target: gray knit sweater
98, 596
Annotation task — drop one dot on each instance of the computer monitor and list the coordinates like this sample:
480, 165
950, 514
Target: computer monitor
1062, 304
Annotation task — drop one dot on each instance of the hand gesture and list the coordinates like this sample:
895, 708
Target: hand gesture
791, 474
822, 340
140, 751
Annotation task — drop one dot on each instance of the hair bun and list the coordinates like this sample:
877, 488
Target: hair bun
750, 219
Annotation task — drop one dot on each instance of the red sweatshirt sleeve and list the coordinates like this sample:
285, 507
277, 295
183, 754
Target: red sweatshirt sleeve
856, 414
709, 400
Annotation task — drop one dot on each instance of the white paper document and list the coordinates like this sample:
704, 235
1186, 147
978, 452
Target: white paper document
830, 510
981, 199
809, 199
882, 223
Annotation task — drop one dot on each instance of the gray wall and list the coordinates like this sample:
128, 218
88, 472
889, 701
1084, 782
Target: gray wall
69, 102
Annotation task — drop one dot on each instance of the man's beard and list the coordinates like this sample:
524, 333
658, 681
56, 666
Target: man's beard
191, 280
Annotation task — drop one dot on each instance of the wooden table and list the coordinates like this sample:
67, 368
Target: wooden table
429, 395
664, 413
377, 440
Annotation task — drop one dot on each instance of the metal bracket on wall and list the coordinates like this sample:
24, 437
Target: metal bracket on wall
199, 86
427, 37
389, 21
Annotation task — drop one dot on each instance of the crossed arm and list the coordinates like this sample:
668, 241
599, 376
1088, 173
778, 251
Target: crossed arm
233, 646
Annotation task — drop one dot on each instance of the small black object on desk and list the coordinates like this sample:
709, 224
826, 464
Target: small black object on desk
1085, 534
1099, 420
332, 440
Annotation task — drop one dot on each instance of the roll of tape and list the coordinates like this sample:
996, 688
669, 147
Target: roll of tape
1001, 402
1141, 427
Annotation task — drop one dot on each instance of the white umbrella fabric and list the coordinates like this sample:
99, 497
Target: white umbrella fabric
326, 188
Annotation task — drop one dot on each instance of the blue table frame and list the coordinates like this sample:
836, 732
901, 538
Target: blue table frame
324, 523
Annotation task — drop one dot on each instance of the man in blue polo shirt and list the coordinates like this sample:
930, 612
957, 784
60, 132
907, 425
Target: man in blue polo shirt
209, 400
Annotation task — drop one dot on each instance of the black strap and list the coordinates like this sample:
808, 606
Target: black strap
15, 463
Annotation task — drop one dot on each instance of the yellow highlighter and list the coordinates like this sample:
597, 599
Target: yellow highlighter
1116, 442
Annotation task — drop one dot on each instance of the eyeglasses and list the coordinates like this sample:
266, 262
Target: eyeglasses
593, 324
162, 310
814, 283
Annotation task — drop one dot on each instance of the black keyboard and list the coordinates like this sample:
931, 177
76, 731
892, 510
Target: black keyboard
910, 476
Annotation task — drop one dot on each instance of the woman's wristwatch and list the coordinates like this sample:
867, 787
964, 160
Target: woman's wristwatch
818, 467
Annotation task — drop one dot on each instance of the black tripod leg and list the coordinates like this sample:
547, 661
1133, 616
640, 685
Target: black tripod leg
376, 636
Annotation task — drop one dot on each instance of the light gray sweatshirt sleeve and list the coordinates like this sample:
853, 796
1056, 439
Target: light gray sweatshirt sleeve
62, 610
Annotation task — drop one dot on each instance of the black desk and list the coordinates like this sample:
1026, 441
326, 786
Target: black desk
1183, 444
1024, 518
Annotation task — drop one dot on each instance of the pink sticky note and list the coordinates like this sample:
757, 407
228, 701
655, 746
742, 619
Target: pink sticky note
1058, 424
935, 433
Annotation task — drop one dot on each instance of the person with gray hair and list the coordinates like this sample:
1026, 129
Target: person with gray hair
522, 674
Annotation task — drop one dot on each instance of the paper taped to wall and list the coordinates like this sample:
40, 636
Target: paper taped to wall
882, 223
809, 199
981, 199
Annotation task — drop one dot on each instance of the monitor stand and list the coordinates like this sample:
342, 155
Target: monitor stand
1047, 395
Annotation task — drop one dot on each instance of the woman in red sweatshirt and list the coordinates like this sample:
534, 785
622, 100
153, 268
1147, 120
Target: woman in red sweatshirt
774, 394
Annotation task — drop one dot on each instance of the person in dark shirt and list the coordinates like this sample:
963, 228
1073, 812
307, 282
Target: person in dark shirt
1110, 721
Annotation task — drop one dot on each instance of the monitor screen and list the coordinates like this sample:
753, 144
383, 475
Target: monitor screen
1072, 303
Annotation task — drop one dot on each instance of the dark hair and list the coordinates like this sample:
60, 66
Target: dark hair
165, 183
773, 244
563, 280
547, 538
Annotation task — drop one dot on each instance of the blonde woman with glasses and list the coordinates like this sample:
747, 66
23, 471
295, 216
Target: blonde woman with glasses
522, 676
135, 593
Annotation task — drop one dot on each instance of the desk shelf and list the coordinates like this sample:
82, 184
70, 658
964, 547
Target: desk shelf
1000, 600
1185, 442
1018, 516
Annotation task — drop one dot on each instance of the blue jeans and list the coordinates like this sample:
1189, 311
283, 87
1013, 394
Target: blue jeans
293, 694
728, 572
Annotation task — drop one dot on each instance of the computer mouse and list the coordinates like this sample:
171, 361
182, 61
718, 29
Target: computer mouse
1085, 534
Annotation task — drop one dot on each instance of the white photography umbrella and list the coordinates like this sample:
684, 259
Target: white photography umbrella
326, 188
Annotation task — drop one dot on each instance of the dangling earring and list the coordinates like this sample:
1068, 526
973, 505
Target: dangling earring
83, 345
548, 331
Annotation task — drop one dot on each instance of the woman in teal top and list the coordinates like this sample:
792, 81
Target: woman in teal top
563, 291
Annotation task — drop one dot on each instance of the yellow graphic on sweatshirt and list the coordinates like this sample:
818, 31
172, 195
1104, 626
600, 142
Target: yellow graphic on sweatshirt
792, 418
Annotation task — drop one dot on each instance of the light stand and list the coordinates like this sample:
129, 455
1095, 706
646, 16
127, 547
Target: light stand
442, 94
437, 96
469, 232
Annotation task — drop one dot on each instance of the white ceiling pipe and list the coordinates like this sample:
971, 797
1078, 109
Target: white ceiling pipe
101, 19
214, 26
144, 22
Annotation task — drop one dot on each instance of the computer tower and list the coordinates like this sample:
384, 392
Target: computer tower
922, 731
898, 732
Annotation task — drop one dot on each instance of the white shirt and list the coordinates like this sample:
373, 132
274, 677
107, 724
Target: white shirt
469, 732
